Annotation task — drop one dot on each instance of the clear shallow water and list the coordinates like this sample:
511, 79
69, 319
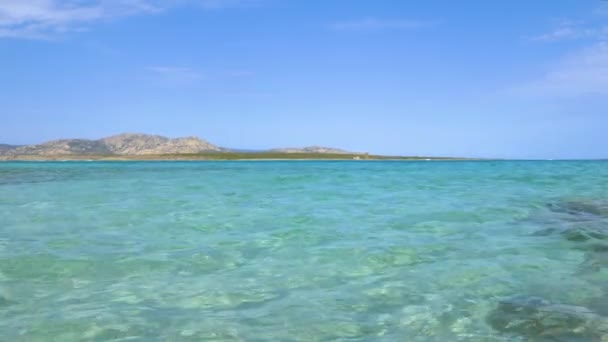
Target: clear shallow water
296, 251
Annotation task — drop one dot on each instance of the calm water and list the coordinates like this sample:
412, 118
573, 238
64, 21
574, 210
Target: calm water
303, 251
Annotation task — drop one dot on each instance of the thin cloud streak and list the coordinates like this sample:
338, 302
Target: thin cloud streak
572, 31
39, 18
371, 24
175, 73
44, 19
241, 73
221, 4
602, 9
558, 34
583, 73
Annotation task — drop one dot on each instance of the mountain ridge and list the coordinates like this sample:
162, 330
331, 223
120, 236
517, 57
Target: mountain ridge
137, 144
120, 144
7, 147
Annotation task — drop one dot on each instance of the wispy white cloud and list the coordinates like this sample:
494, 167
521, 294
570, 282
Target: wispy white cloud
41, 19
557, 34
371, 24
101, 48
171, 74
175, 73
572, 30
46, 18
582, 73
36, 18
241, 73
602, 9
219, 4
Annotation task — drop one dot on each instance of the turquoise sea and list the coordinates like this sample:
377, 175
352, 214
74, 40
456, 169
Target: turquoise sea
304, 251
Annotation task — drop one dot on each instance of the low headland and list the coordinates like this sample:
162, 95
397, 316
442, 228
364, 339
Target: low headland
144, 147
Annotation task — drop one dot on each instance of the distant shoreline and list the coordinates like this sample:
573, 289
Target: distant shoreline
224, 156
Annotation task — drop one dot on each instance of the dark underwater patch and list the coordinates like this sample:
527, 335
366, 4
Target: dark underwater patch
580, 208
539, 319
582, 222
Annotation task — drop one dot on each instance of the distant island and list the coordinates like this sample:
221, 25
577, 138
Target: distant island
136, 146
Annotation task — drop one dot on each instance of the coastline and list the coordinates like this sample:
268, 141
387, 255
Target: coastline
228, 157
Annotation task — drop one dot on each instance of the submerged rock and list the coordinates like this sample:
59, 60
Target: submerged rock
589, 238
4, 301
577, 220
598, 305
534, 317
585, 233
578, 232
582, 208
585, 223
596, 258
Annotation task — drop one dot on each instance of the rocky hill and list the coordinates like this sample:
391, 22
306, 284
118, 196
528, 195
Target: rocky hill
122, 144
134, 144
310, 149
5, 148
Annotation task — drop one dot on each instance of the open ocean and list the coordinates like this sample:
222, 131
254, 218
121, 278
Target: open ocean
304, 251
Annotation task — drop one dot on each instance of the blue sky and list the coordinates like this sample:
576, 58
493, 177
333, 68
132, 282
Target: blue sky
511, 79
